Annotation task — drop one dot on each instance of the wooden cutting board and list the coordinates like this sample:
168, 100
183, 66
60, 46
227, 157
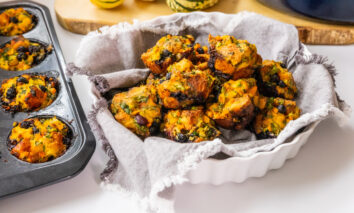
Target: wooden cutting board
80, 16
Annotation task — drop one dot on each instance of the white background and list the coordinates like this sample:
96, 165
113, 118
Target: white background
319, 179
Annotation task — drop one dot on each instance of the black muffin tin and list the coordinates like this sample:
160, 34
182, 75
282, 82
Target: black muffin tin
18, 176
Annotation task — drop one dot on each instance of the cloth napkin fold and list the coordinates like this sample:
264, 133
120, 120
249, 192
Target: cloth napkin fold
148, 170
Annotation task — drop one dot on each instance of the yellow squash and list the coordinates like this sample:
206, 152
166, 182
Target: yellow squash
190, 5
107, 4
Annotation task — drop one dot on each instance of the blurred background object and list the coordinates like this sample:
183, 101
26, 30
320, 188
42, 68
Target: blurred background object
330, 10
190, 5
107, 4
334, 11
80, 16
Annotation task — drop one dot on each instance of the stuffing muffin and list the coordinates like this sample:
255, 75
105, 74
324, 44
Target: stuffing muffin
16, 21
137, 110
185, 84
153, 79
22, 54
275, 80
190, 125
234, 108
231, 58
28, 92
39, 139
273, 115
199, 54
168, 49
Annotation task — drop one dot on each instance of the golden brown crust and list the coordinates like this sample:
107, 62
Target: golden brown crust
137, 109
16, 21
234, 108
38, 140
275, 80
273, 115
190, 125
22, 54
186, 75
168, 49
28, 92
152, 80
199, 54
232, 58
241, 117
184, 85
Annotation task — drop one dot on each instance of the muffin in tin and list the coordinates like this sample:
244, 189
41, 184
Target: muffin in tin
273, 115
22, 54
231, 58
28, 92
184, 85
16, 21
234, 108
137, 110
275, 80
168, 49
39, 139
189, 125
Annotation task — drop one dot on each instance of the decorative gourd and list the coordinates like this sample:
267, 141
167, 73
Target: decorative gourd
107, 4
190, 5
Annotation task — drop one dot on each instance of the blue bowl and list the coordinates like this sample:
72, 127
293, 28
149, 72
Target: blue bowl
330, 10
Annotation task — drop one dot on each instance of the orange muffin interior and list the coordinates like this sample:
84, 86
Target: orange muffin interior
22, 54
16, 21
26, 93
38, 140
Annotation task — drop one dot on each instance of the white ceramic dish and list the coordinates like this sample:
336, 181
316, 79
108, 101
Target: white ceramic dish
238, 169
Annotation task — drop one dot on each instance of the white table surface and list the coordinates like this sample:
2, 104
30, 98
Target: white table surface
319, 179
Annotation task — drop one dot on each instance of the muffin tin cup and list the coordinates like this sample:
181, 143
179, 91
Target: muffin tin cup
32, 40
16, 175
53, 74
30, 11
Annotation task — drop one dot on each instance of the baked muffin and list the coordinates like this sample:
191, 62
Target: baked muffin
38, 140
273, 115
275, 80
231, 58
190, 125
234, 108
168, 49
27, 92
199, 54
16, 21
137, 110
185, 84
22, 54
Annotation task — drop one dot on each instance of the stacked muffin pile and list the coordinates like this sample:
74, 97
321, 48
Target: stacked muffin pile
193, 90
